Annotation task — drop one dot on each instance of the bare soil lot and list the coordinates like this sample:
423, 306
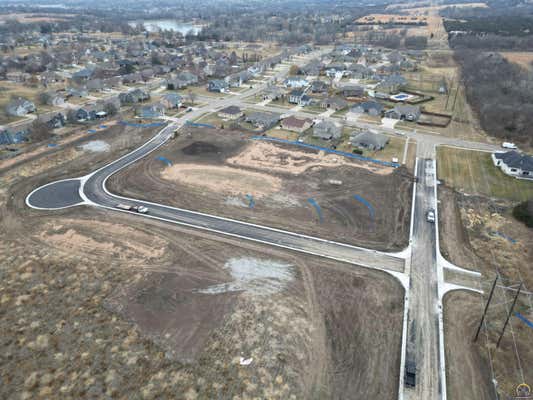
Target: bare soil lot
218, 172
96, 304
480, 233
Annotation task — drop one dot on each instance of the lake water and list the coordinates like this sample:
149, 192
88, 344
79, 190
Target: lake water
168, 25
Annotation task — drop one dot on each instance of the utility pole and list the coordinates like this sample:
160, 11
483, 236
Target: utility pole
486, 307
509, 315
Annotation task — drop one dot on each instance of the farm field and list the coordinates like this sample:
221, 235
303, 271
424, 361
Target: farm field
113, 306
522, 58
218, 172
474, 173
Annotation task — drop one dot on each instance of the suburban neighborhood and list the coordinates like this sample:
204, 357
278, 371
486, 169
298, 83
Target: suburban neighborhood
266, 200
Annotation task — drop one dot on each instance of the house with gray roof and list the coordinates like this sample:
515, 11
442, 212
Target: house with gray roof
298, 96
368, 107
171, 100
405, 112
368, 140
217, 85
135, 96
327, 130
514, 164
391, 84
273, 93
150, 111
19, 107
262, 120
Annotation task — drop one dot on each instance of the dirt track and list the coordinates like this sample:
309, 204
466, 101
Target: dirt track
95, 304
216, 172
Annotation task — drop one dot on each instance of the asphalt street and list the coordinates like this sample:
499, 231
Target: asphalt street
422, 328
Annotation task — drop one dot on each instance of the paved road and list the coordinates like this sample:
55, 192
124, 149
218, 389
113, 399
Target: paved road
422, 328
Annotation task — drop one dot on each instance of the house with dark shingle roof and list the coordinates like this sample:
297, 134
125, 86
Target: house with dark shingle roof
327, 130
231, 112
514, 163
369, 140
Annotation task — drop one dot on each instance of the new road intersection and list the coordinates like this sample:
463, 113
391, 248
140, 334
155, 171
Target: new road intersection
419, 268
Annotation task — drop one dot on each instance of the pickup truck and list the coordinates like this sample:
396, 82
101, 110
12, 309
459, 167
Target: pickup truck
508, 145
139, 209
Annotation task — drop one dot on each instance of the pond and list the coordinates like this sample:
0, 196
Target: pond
168, 24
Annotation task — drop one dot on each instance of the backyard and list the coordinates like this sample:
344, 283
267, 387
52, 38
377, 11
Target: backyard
473, 172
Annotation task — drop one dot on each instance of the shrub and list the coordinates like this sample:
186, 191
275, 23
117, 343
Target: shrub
524, 213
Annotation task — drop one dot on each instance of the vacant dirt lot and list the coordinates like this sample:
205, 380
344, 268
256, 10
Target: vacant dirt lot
96, 304
522, 58
480, 233
221, 172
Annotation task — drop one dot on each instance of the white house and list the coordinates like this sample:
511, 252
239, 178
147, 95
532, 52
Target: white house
514, 164
296, 82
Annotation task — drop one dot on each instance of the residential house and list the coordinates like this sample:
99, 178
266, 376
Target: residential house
327, 130
171, 100
176, 84
391, 84
134, 77
298, 96
188, 78
359, 71
262, 120
514, 163
368, 140
353, 91
319, 87
147, 74
54, 99
231, 113
296, 124
368, 107
81, 115
19, 107
82, 75
151, 111
295, 82
217, 85
336, 103
272, 93
77, 92
335, 69
404, 111
57, 121
134, 96
94, 85
8, 137
255, 70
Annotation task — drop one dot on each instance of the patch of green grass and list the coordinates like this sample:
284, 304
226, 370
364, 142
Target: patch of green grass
474, 172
